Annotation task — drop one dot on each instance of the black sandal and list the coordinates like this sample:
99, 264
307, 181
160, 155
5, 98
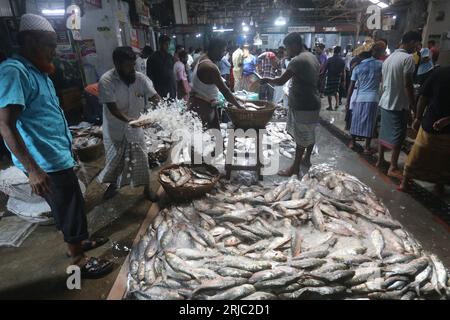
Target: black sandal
96, 268
88, 245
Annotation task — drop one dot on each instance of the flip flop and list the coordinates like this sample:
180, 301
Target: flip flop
96, 268
87, 244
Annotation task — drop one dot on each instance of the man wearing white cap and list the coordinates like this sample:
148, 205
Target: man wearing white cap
35, 130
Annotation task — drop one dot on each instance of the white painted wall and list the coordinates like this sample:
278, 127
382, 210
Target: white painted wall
441, 28
109, 16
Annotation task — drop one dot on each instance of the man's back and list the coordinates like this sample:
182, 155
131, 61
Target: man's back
335, 66
399, 65
437, 89
304, 90
160, 70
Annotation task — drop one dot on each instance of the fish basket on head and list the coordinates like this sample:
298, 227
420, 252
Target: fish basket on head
252, 119
90, 153
189, 190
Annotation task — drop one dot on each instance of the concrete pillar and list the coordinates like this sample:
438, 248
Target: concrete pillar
180, 11
426, 29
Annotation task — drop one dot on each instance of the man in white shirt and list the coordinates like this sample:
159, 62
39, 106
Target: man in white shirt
141, 60
238, 64
124, 94
397, 100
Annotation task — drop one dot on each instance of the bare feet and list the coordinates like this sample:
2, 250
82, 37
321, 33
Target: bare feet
330, 108
395, 173
288, 172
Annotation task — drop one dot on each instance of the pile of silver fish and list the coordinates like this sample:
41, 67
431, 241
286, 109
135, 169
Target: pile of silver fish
278, 134
84, 137
85, 141
280, 113
185, 176
324, 237
252, 107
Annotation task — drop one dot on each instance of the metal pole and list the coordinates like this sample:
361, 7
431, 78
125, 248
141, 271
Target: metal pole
358, 26
80, 62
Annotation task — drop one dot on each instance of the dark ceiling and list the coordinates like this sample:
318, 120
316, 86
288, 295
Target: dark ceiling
263, 12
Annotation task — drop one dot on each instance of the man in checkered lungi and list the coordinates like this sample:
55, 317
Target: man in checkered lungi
124, 94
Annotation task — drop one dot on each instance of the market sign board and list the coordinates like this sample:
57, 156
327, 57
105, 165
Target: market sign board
275, 30
302, 29
337, 28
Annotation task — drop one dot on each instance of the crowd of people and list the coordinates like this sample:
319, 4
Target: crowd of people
386, 94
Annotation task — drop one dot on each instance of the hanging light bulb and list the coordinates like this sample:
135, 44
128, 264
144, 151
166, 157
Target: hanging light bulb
251, 21
280, 21
214, 26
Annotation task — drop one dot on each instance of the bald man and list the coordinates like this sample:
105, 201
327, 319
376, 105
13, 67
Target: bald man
35, 131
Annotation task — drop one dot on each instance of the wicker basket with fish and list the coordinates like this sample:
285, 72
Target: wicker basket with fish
88, 148
185, 182
254, 115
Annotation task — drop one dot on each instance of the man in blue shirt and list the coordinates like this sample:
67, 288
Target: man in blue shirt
225, 67
36, 132
426, 66
365, 104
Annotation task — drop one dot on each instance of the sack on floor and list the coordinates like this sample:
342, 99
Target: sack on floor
22, 202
